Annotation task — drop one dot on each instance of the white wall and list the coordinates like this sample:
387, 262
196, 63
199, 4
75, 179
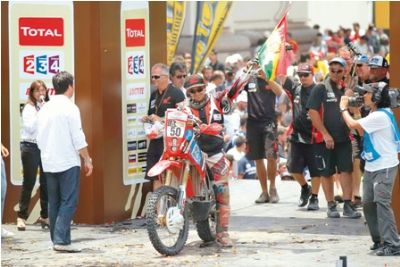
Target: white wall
341, 13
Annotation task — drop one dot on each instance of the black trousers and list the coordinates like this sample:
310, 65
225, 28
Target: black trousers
30, 155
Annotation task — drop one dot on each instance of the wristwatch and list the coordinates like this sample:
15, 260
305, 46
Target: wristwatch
343, 110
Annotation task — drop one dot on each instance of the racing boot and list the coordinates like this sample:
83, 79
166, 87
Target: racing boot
223, 240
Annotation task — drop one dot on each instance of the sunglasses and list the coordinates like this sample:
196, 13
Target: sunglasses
336, 71
359, 65
181, 76
156, 77
198, 90
305, 75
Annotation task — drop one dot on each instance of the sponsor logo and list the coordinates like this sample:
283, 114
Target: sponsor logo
141, 108
131, 171
41, 31
132, 158
132, 145
24, 89
131, 133
142, 144
136, 65
134, 32
142, 157
131, 119
135, 91
131, 108
40, 64
141, 133
144, 168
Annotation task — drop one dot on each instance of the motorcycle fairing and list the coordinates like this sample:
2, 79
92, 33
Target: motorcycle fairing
162, 165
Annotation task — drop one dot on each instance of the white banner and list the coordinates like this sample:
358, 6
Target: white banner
135, 88
41, 42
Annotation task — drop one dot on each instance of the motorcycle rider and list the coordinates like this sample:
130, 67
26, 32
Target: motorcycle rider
208, 108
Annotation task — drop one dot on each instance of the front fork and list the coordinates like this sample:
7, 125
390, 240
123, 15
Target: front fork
182, 187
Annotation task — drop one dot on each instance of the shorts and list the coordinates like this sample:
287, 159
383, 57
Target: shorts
302, 156
335, 160
261, 140
154, 153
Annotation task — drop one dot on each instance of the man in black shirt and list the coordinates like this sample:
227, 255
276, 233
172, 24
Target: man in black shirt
165, 96
323, 105
262, 131
303, 149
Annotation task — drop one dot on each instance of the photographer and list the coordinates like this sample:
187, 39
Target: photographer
381, 145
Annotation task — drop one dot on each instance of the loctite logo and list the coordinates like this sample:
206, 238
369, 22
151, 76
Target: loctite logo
41, 31
134, 32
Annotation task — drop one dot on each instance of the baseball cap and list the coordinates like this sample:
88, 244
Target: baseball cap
338, 60
378, 62
362, 59
194, 80
305, 68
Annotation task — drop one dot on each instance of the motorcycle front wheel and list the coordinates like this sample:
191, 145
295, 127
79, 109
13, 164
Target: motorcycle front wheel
166, 227
207, 229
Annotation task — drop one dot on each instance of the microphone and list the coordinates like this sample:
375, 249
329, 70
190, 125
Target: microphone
42, 98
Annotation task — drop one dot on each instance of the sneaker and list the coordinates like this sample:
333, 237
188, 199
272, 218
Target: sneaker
388, 251
339, 199
350, 212
263, 198
44, 222
357, 203
313, 205
376, 246
66, 248
304, 196
6, 234
332, 211
273, 195
21, 224
224, 240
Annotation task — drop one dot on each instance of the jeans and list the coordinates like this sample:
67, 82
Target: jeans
3, 186
63, 188
30, 155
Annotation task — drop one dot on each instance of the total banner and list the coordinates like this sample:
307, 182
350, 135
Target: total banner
135, 88
210, 20
41, 44
175, 19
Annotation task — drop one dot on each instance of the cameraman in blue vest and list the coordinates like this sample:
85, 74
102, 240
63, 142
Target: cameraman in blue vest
381, 145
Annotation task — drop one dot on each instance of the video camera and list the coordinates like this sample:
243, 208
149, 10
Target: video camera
357, 100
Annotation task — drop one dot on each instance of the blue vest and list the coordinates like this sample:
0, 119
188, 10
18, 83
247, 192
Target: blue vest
370, 154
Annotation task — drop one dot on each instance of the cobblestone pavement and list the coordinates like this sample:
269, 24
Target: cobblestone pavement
265, 235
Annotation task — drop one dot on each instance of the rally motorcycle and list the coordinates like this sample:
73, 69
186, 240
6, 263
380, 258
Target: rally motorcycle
187, 187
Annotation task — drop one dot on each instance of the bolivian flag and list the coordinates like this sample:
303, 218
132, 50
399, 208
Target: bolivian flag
272, 55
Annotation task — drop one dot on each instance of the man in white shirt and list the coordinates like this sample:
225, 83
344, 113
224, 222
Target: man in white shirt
381, 147
61, 141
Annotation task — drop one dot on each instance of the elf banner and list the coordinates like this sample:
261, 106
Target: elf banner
135, 88
41, 44
175, 19
209, 24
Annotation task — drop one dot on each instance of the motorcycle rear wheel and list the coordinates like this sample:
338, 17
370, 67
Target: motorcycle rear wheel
160, 201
